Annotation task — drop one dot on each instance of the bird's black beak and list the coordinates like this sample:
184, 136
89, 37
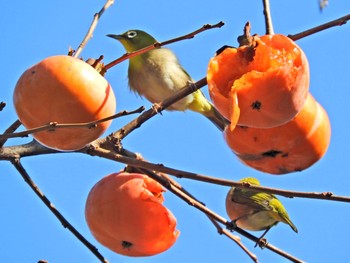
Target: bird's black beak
117, 37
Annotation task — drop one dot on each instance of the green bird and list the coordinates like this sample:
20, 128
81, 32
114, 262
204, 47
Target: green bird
157, 74
253, 210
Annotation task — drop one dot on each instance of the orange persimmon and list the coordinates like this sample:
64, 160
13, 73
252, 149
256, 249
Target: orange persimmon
264, 84
65, 90
291, 147
124, 212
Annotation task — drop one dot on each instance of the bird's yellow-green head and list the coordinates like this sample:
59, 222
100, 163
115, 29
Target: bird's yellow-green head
134, 39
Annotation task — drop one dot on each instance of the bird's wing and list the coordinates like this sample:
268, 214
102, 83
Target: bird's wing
282, 213
257, 200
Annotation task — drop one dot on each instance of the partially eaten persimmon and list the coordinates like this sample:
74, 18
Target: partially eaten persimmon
291, 147
65, 90
124, 212
263, 84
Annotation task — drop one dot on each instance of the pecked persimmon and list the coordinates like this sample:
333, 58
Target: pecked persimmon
291, 147
65, 90
263, 84
124, 212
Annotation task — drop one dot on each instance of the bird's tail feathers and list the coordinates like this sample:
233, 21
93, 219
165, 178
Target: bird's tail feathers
217, 119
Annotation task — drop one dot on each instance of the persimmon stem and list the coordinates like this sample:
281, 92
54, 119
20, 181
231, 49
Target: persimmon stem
159, 44
268, 18
17, 164
54, 125
92, 27
337, 22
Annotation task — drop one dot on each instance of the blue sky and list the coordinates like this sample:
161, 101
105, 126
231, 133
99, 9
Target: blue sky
36, 29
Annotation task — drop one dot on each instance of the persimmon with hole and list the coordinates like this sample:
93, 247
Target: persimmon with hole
65, 90
262, 84
291, 147
124, 212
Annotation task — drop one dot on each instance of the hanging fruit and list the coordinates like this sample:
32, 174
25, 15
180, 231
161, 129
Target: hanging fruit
263, 83
124, 212
65, 90
291, 147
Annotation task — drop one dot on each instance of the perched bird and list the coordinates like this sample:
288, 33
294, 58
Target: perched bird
253, 210
157, 74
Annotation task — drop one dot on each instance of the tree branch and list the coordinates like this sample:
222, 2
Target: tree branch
89, 34
268, 18
337, 22
117, 136
10, 130
213, 180
54, 125
17, 164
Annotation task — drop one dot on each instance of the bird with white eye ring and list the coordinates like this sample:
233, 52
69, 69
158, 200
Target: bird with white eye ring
157, 74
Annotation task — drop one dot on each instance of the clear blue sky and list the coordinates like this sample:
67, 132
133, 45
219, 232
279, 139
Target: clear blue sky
33, 30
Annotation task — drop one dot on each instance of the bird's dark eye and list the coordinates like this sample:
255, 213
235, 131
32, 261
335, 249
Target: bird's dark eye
132, 34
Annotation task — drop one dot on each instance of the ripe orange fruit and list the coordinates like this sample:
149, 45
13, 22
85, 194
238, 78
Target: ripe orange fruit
65, 90
291, 147
124, 212
261, 85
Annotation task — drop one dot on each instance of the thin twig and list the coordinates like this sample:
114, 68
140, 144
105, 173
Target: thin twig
54, 125
2, 105
14, 126
92, 27
17, 164
236, 239
213, 180
268, 19
159, 44
337, 22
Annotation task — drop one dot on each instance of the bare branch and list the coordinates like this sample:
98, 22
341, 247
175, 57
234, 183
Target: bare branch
2, 105
17, 164
337, 22
89, 34
236, 239
268, 19
214, 180
54, 125
117, 136
159, 44
14, 126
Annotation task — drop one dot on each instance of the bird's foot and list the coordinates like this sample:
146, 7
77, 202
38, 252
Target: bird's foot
231, 225
261, 242
156, 107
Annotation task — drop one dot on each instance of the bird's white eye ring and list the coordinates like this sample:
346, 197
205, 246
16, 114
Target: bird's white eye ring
132, 34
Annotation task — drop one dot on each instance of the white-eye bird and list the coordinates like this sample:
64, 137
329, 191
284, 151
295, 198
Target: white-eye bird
157, 74
255, 210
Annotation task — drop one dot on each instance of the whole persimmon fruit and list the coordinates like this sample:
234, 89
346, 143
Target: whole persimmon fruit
263, 84
65, 90
291, 147
124, 212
